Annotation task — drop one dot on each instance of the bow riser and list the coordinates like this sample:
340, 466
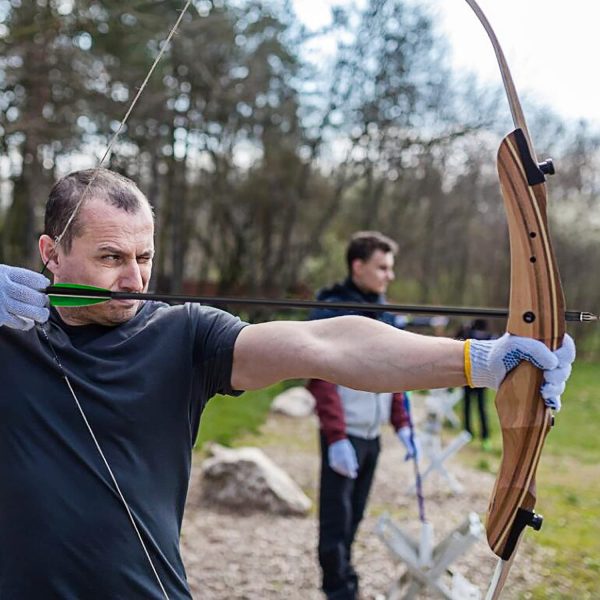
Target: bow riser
536, 306
536, 310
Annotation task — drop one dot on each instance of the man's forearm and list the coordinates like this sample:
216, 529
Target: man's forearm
357, 352
368, 355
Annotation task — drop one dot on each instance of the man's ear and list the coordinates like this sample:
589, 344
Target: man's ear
356, 267
49, 253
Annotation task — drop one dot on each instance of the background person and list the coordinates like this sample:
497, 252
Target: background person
350, 420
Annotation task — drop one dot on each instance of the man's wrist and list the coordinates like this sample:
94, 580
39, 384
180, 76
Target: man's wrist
481, 375
468, 365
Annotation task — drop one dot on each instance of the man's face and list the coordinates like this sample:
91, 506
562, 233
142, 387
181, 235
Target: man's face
114, 251
374, 274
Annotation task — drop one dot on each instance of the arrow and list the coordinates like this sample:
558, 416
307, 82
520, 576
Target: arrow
73, 295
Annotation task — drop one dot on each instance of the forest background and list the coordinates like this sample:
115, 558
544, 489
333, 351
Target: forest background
260, 162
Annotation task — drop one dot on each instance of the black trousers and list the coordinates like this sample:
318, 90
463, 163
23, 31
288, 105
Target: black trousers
479, 393
342, 505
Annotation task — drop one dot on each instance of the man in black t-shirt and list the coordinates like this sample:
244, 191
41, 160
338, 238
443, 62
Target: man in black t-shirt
100, 405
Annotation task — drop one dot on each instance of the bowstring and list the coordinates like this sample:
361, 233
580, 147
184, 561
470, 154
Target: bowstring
58, 240
119, 129
115, 483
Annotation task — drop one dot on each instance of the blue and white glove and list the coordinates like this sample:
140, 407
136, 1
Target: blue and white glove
555, 379
21, 299
411, 443
488, 361
342, 458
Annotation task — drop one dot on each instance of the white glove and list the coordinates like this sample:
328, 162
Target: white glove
491, 360
342, 458
555, 379
411, 443
21, 299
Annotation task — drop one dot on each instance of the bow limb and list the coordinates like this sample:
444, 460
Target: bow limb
499, 578
122, 123
536, 310
507, 80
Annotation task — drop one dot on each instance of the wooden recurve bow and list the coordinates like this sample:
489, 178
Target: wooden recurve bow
536, 310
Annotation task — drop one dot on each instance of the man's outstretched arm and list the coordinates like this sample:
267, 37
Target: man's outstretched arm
366, 354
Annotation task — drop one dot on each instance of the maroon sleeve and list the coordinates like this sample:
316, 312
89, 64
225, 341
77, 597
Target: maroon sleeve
399, 416
329, 409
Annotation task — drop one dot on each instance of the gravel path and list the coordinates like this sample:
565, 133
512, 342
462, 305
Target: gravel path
259, 556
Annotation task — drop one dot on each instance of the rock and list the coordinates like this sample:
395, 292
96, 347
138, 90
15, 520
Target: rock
294, 402
246, 478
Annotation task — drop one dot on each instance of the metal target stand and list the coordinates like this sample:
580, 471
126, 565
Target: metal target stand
427, 566
439, 406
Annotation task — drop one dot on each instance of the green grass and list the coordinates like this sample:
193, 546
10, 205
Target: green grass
227, 418
576, 431
568, 490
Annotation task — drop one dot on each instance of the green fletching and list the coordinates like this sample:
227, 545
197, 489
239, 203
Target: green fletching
79, 296
75, 301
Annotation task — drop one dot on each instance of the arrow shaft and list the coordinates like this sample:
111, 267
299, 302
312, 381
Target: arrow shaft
458, 311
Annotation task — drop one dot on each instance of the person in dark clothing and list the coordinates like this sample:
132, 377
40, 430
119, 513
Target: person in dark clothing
350, 420
477, 330
100, 405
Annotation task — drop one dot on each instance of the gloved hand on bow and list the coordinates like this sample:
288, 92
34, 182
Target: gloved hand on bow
411, 443
21, 299
342, 458
488, 361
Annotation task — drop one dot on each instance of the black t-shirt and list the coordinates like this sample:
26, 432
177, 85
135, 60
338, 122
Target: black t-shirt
64, 532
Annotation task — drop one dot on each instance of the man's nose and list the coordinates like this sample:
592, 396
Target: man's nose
131, 278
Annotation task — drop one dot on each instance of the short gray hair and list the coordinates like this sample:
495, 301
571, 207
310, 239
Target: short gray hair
113, 188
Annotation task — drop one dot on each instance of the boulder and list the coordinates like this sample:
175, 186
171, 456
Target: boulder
245, 478
294, 402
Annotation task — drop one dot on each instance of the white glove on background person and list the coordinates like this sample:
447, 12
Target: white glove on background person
413, 448
342, 458
21, 299
488, 361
